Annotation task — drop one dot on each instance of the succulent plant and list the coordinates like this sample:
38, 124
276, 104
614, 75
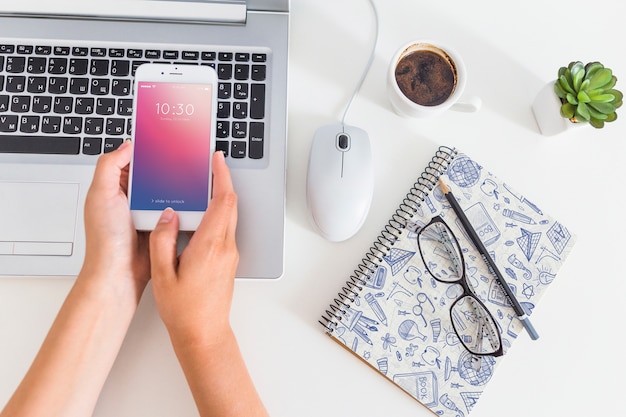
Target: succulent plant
587, 93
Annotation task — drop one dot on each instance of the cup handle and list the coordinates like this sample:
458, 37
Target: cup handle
469, 104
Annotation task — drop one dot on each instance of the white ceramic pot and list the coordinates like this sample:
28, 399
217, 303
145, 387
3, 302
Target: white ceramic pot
547, 112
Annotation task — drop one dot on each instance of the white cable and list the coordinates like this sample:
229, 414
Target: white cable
367, 66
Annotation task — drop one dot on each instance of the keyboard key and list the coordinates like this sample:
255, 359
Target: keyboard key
8, 123
111, 144
29, 124
134, 53
42, 104
100, 86
37, 85
63, 105
257, 101
15, 83
120, 68
57, 66
39, 144
224, 90
238, 149
25, 49
79, 86
223, 109
224, 71
78, 66
222, 129
170, 54
121, 87
15, 64
50, 124
57, 85
105, 106
242, 72
240, 110
242, 57
84, 105
240, 130
7, 49
258, 73
114, 127
20, 104
92, 146
259, 57
99, 67
4, 103
257, 140
225, 56
80, 51
223, 146
124, 106
43, 50
61, 50
36, 65
94, 125
72, 125
191, 55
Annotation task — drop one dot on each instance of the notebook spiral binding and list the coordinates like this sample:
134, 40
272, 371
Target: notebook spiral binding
387, 237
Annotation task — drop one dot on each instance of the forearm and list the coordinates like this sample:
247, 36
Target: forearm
74, 361
218, 378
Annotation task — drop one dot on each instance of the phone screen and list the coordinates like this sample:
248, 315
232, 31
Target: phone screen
172, 146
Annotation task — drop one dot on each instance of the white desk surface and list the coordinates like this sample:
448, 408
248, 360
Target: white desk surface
511, 49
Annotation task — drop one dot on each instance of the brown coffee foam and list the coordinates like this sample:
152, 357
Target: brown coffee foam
426, 75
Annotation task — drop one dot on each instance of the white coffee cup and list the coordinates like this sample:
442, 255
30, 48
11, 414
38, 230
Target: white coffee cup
453, 66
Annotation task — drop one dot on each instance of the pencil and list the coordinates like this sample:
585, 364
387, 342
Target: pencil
519, 310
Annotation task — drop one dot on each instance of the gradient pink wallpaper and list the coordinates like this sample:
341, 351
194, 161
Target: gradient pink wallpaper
171, 166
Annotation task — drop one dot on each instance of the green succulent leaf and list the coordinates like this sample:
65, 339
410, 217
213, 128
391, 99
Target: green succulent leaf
591, 68
565, 84
603, 98
571, 98
583, 97
619, 97
605, 108
611, 117
596, 114
601, 78
568, 110
598, 124
559, 90
582, 112
578, 74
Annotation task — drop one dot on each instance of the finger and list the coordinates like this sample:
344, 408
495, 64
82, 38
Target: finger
220, 220
163, 261
110, 167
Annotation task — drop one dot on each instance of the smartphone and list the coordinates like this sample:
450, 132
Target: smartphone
173, 135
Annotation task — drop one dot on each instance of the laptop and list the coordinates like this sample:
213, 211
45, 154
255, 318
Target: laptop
66, 71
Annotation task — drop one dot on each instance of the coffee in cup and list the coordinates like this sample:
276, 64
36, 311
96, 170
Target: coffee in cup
426, 79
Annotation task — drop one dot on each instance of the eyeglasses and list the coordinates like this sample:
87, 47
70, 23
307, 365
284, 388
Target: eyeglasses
473, 323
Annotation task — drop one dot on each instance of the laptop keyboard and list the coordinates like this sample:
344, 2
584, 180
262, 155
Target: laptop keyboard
77, 98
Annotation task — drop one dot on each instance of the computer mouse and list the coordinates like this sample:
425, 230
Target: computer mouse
340, 180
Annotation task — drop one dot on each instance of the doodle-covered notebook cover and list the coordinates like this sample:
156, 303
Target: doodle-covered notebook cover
396, 316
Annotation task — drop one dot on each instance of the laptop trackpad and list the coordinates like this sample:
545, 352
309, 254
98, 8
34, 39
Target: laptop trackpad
37, 218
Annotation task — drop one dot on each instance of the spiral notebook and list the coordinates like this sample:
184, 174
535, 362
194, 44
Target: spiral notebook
396, 316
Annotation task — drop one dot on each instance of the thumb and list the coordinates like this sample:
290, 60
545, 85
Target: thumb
163, 260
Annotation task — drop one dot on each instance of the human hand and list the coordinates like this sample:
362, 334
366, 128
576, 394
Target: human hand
113, 247
194, 292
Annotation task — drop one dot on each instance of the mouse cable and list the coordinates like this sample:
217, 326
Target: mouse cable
367, 66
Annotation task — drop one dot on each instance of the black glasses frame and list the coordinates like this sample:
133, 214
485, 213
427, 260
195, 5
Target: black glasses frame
468, 291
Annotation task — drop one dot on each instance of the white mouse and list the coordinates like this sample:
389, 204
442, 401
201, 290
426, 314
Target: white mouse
340, 180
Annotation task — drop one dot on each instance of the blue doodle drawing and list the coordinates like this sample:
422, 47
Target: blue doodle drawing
528, 242
464, 172
558, 236
397, 259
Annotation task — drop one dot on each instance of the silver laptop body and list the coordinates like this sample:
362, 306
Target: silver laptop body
42, 195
